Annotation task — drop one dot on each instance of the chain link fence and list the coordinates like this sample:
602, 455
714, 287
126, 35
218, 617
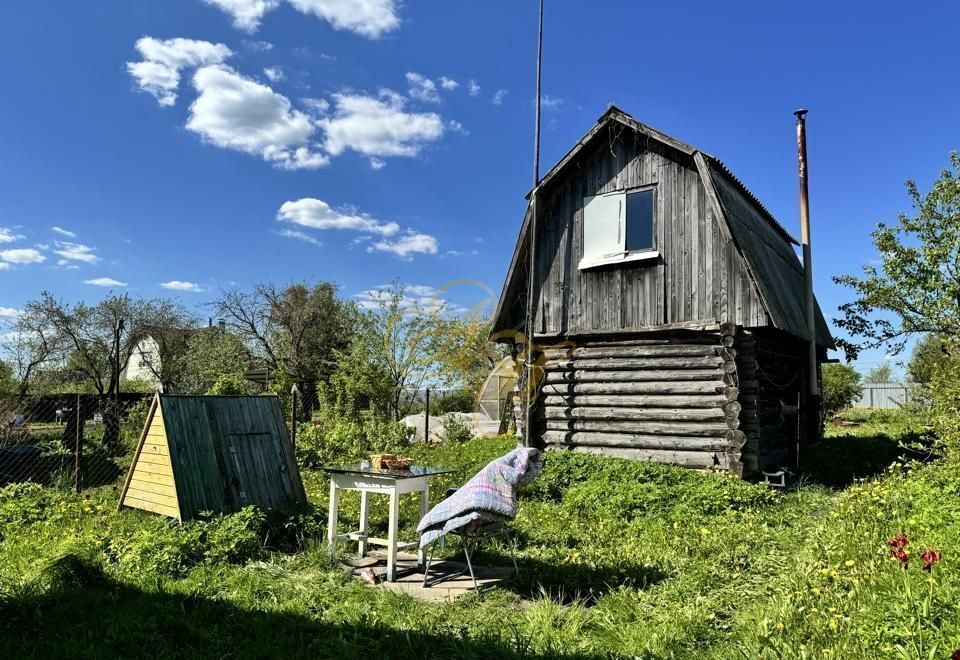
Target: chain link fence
74, 441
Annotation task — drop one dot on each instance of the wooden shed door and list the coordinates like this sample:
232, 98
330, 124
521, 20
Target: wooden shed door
257, 473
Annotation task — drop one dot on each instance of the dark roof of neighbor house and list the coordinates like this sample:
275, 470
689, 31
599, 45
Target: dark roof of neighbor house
766, 246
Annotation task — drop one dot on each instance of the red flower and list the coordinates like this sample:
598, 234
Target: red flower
901, 555
930, 557
898, 541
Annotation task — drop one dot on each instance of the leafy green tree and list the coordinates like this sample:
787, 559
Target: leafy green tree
882, 373
211, 354
297, 330
8, 380
928, 354
916, 287
841, 387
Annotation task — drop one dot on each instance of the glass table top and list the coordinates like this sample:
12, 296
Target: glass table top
409, 473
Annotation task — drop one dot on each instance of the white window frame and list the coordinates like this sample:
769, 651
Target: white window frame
616, 253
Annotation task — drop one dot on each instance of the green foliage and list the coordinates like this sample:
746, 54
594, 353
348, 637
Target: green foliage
338, 439
916, 288
228, 384
459, 401
457, 431
927, 354
944, 391
8, 380
617, 560
880, 374
841, 387
212, 354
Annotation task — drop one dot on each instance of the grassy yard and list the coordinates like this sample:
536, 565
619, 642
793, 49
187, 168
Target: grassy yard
618, 559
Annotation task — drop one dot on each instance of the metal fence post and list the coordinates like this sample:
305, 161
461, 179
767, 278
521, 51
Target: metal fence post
78, 448
426, 419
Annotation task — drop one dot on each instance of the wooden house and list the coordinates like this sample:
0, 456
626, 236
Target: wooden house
212, 453
668, 308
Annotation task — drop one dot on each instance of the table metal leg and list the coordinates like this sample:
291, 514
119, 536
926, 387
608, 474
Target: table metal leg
424, 508
364, 509
392, 536
332, 520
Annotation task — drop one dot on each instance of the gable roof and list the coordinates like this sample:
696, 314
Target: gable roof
764, 243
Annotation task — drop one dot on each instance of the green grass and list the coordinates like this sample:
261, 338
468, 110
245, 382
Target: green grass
618, 559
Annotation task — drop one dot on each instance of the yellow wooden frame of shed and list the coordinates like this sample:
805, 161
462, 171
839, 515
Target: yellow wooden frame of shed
212, 453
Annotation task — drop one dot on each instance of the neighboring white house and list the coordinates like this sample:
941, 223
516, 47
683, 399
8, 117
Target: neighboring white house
144, 363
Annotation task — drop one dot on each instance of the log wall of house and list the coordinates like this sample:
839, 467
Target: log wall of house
664, 397
699, 275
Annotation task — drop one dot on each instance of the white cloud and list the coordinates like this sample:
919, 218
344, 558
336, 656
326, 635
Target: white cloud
377, 164
415, 297
181, 285
422, 88
448, 83
22, 256
273, 73
246, 13
7, 235
64, 232
4, 265
105, 281
370, 18
68, 265
460, 253
257, 46
378, 126
550, 102
234, 112
316, 106
159, 72
76, 252
409, 244
473, 88
457, 127
300, 236
9, 313
317, 214
497, 98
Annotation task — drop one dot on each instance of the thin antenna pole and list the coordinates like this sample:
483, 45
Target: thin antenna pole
531, 279
536, 137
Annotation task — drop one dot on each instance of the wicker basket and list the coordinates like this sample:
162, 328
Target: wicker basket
397, 463
377, 461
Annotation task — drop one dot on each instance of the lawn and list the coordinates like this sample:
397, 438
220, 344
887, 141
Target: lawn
618, 559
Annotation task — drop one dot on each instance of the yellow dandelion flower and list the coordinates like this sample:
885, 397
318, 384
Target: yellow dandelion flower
705, 531
833, 624
848, 563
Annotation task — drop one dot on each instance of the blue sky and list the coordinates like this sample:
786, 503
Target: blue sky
199, 143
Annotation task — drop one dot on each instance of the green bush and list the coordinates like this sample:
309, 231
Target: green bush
841, 387
337, 439
228, 384
457, 431
459, 401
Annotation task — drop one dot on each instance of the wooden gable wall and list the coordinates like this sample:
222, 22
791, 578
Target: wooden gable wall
700, 276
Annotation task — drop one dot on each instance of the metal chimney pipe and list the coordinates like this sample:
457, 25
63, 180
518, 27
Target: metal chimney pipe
814, 389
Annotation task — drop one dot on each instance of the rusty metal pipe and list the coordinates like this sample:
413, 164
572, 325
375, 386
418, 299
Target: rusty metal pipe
814, 389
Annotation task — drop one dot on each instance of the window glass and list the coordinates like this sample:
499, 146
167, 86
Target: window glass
639, 221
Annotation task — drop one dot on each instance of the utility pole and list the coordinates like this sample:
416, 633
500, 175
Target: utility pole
117, 329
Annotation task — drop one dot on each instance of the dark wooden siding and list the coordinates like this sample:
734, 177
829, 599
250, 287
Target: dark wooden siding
699, 276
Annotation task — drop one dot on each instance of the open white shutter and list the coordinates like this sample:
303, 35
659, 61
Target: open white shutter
604, 228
